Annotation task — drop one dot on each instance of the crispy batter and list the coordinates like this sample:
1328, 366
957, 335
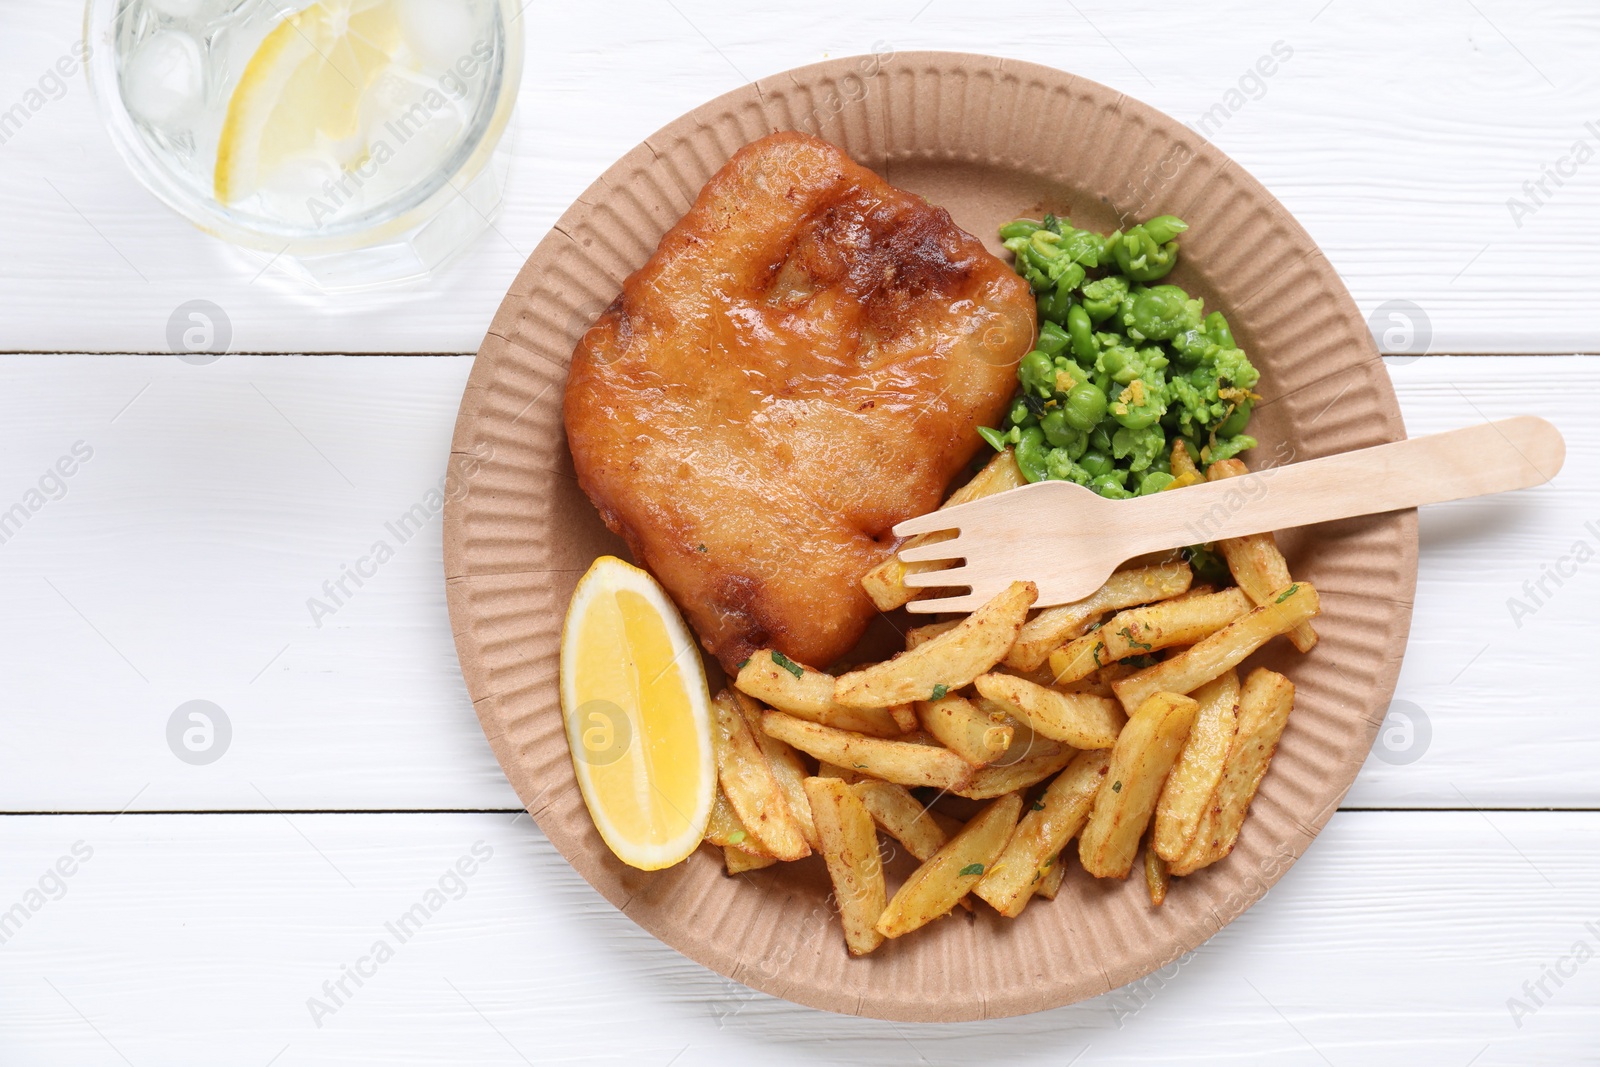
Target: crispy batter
801, 364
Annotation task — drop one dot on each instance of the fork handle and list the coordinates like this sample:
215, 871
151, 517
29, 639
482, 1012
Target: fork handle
1490, 458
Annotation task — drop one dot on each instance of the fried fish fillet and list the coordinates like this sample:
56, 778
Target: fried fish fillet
802, 363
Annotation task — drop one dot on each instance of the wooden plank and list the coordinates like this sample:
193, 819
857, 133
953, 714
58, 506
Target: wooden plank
1400, 938
1409, 200
178, 564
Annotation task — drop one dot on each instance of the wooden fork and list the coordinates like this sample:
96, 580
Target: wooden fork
1068, 539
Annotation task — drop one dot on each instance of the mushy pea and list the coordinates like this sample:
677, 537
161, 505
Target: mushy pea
1123, 366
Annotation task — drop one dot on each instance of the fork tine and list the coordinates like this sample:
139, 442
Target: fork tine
932, 522
930, 553
940, 579
968, 603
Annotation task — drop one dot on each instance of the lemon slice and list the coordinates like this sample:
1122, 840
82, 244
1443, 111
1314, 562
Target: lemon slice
637, 715
300, 93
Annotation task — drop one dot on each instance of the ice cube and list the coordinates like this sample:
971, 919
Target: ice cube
162, 79
442, 32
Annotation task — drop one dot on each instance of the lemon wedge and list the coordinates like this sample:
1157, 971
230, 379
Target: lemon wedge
637, 715
301, 92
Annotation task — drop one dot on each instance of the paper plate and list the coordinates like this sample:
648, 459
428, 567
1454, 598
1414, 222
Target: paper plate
988, 139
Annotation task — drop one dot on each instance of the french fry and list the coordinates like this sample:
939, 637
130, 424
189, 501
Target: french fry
1145, 752
905, 717
899, 814
799, 690
1052, 627
1203, 661
1182, 463
975, 735
1265, 701
902, 817
1046, 827
1039, 676
738, 861
1055, 869
886, 584
787, 768
726, 831
1081, 720
1193, 781
935, 887
947, 662
850, 849
921, 635
833, 770
1182, 621
752, 789
1093, 685
1156, 878
1030, 760
1078, 658
1254, 560
904, 763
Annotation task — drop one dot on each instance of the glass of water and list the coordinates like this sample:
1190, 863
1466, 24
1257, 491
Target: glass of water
354, 143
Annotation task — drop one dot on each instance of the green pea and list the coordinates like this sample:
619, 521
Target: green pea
1071, 276
1058, 465
1110, 485
1068, 376
1086, 406
1114, 360
1140, 256
1159, 313
1081, 332
1234, 424
1138, 416
1100, 438
1103, 296
1095, 463
1056, 428
1164, 228
1020, 415
1052, 338
1019, 228
1217, 329
1154, 481
1053, 304
1038, 373
1031, 454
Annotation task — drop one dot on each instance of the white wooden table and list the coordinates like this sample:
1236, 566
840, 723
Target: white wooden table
1449, 914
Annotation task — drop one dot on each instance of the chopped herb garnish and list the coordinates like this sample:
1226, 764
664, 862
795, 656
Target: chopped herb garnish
1038, 805
1048, 863
1116, 787
1094, 626
1099, 647
972, 868
1132, 642
1140, 662
788, 664
737, 836
743, 664
939, 691
699, 548
1287, 593
859, 766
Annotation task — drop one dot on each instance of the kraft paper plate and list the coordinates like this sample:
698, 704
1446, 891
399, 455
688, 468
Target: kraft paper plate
988, 139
